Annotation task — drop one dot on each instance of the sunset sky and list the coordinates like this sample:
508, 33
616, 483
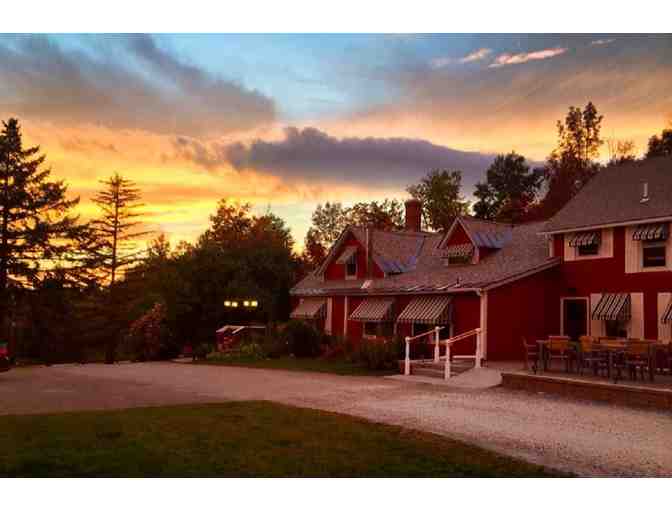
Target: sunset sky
288, 121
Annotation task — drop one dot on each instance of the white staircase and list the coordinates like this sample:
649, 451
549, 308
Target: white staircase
447, 366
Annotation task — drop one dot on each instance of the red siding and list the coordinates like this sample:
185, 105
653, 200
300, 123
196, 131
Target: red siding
525, 308
583, 277
458, 236
337, 318
337, 271
466, 316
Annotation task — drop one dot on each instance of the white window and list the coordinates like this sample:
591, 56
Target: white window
654, 254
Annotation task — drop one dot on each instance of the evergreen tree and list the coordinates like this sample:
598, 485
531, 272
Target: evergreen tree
116, 230
37, 229
112, 251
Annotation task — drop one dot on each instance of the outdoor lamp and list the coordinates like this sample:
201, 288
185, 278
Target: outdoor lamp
227, 303
246, 303
254, 304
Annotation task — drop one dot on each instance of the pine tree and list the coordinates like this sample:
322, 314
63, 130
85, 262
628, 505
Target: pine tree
36, 228
113, 251
116, 230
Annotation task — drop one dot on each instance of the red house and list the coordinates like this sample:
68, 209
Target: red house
601, 266
616, 253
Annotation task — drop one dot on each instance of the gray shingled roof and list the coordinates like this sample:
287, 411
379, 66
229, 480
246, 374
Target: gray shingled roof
614, 196
526, 251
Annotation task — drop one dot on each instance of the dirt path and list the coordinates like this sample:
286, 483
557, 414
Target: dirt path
583, 437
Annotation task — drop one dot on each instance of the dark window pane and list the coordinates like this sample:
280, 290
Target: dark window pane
653, 256
590, 249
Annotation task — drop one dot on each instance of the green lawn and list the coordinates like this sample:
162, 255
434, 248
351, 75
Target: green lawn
234, 439
340, 367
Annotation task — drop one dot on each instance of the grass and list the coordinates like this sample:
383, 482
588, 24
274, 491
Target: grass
339, 367
241, 439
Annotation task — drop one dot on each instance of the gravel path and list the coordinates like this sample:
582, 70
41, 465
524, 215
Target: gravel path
581, 437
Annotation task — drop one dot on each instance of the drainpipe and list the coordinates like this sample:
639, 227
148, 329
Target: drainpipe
369, 250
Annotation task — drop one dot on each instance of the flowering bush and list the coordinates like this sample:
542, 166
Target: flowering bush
148, 337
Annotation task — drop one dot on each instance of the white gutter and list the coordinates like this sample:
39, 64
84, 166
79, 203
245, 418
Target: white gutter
607, 225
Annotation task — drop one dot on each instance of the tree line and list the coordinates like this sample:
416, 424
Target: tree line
512, 192
72, 290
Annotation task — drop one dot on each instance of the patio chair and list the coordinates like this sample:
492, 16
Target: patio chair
637, 357
531, 355
558, 348
591, 356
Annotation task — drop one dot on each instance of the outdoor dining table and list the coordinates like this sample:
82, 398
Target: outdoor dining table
542, 350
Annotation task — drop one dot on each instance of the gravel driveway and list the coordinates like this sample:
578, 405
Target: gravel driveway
582, 437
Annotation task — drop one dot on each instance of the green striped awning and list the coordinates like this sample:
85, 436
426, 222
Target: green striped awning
427, 310
373, 310
612, 307
651, 232
667, 314
460, 250
347, 254
585, 238
310, 308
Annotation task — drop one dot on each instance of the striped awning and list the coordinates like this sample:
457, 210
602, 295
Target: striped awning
373, 310
310, 308
586, 238
651, 232
612, 307
427, 310
460, 250
347, 254
667, 314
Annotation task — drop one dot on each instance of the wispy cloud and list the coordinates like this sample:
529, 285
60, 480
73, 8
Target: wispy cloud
600, 42
506, 59
126, 82
476, 55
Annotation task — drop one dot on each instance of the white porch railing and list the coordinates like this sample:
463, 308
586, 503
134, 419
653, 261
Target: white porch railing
478, 355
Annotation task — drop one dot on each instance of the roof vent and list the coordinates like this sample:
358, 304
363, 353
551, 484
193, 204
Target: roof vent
645, 192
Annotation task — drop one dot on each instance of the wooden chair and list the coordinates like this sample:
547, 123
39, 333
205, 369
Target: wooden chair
591, 355
531, 355
558, 348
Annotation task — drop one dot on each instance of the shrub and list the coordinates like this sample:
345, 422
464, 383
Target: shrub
379, 353
202, 350
302, 339
148, 337
251, 351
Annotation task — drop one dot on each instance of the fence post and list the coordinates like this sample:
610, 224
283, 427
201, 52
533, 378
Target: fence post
479, 348
407, 361
436, 344
446, 370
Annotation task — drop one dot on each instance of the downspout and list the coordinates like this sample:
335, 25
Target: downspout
369, 253
483, 294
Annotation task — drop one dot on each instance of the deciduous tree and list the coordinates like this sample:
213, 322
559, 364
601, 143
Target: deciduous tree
574, 161
439, 192
509, 190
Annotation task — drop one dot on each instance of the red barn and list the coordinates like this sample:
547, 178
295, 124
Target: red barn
601, 266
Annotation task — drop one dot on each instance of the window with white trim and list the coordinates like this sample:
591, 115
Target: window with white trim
654, 254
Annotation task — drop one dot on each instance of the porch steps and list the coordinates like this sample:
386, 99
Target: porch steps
429, 368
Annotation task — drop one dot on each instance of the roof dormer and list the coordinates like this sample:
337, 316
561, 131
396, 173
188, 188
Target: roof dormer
469, 240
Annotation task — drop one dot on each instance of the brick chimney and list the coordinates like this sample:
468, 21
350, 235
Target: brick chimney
413, 215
